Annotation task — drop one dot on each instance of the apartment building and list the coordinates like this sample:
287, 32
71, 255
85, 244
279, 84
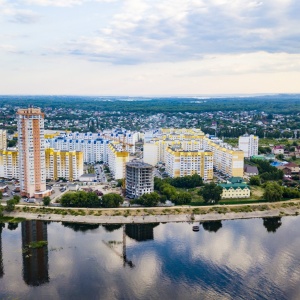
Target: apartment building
94, 150
3, 139
139, 179
31, 152
181, 163
226, 159
63, 164
249, 144
117, 159
9, 164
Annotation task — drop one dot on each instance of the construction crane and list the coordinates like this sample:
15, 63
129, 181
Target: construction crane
124, 254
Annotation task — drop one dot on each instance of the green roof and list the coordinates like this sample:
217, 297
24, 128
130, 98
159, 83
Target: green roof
234, 186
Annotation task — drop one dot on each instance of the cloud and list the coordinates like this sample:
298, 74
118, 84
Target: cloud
153, 31
24, 17
62, 3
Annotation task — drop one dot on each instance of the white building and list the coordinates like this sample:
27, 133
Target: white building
3, 139
249, 144
139, 179
226, 159
181, 163
117, 159
93, 150
31, 152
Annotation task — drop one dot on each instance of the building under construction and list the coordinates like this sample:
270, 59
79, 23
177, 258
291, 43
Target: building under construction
139, 179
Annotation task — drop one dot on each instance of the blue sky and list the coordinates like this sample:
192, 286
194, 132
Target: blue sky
149, 47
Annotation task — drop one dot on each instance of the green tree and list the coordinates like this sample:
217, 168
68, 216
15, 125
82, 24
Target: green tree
10, 205
1, 195
46, 200
211, 192
149, 200
273, 192
111, 200
16, 199
181, 198
255, 180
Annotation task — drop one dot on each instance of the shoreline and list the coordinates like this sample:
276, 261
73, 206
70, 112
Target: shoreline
279, 211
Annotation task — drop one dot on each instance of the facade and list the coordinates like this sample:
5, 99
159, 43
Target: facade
3, 139
250, 170
63, 164
88, 178
93, 149
139, 179
226, 159
31, 152
278, 150
249, 144
181, 163
235, 188
9, 164
117, 159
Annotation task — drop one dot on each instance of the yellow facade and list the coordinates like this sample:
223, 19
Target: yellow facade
235, 193
183, 163
64, 164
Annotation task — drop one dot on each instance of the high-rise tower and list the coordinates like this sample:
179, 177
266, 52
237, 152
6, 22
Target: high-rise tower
31, 152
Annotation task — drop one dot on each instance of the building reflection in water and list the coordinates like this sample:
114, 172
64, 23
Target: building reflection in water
140, 232
1, 258
35, 261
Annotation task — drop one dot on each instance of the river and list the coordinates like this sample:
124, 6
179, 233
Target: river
236, 259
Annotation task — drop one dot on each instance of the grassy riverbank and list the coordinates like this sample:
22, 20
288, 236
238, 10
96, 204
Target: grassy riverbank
156, 214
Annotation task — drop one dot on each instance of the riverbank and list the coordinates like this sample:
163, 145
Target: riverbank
159, 214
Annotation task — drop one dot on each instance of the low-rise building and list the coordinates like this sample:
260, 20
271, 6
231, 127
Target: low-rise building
278, 150
250, 170
235, 188
88, 178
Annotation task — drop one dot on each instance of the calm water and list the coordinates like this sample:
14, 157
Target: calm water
241, 259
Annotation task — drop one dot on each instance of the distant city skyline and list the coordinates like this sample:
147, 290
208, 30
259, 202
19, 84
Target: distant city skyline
149, 47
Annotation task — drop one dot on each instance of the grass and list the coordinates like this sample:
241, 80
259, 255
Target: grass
4, 219
36, 245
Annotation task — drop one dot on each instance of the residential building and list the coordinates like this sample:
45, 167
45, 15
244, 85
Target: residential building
9, 164
88, 178
3, 139
250, 170
181, 163
32, 152
226, 159
139, 179
248, 144
93, 149
278, 150
63, 164
235, 188
117, 159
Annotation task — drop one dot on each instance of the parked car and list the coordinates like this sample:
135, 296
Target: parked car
5, 195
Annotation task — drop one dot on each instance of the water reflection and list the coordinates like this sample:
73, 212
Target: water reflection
80, 226
111, 227
237, 259
12, 226
140, 232
2, 225
272, 224
35, 261
212, 226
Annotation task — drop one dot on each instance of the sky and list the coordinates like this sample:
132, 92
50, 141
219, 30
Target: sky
149, 47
